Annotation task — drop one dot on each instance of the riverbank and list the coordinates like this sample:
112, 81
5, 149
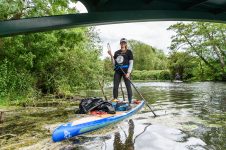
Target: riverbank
26, 125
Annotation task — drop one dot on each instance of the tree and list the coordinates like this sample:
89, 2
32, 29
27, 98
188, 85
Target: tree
205, 40
147, 57
54, 62
182, 63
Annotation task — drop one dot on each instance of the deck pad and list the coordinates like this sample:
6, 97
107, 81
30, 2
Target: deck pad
95, 117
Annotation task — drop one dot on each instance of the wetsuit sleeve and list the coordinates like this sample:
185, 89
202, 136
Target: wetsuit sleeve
130, 62
130, 66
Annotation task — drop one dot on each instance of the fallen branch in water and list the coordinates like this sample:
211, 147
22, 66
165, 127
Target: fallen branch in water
8, 135
1, 117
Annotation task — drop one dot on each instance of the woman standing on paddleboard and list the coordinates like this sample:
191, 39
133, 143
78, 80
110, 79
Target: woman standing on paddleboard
123, 63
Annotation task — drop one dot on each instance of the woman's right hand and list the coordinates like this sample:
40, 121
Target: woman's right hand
109, 52
109, 49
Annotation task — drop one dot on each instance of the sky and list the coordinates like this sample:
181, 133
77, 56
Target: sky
152, 33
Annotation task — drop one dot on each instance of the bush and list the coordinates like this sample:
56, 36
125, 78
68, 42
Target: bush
14, 83
164, 75
151, 75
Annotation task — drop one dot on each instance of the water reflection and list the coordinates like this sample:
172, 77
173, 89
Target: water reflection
145, 136
129, 143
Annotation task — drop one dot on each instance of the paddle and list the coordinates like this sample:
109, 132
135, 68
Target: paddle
123, 96
109, 48
139, 93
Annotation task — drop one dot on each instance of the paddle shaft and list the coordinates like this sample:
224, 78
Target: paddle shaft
123, 96
139, 93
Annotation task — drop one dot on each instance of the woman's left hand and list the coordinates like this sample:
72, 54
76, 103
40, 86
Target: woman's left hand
128, 75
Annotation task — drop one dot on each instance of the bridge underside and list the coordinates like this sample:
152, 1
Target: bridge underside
121, 11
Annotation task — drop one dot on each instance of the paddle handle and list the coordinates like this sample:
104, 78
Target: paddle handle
108, 46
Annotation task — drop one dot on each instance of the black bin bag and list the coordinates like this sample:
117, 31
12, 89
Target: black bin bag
90, 104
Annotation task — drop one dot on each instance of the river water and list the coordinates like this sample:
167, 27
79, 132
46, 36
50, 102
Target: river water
190, 116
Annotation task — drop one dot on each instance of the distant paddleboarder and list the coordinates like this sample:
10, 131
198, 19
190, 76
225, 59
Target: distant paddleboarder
177, 76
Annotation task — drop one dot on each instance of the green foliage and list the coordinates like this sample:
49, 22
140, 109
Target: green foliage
205, 41
164, 75
55, 59
17, 9
147, 57
151, 75
14, 83
55, 62
149, 63
108, 69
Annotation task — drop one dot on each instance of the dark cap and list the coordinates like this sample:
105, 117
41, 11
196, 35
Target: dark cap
123, 40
